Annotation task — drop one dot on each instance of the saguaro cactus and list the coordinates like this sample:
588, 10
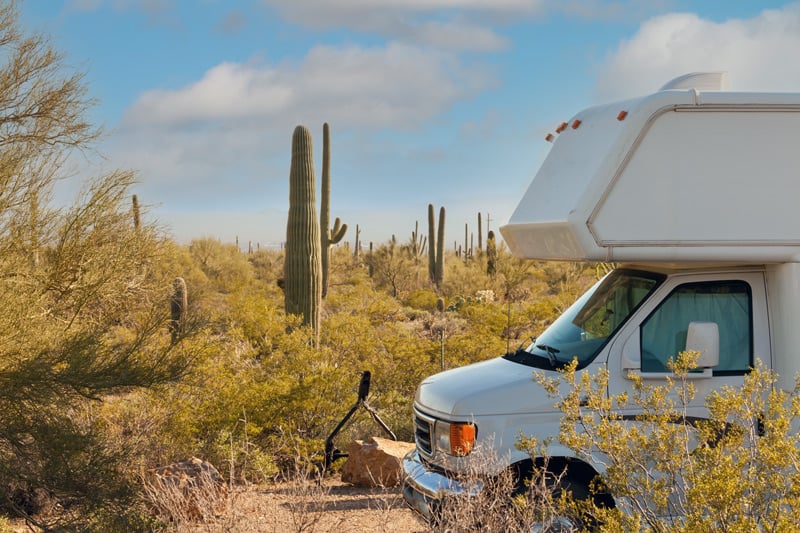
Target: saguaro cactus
137, 217
436, 246
417, 243
491, 254
431, 244
178, 306
480, 233
357, 242
330, 236
303, 265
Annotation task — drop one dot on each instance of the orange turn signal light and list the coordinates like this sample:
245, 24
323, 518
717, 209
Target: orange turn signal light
622, 115
462, 439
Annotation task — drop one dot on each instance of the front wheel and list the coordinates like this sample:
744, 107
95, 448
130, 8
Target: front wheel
559, 516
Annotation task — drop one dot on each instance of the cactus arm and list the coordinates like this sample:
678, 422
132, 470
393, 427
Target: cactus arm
338, 231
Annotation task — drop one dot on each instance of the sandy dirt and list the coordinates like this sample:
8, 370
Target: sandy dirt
332, 506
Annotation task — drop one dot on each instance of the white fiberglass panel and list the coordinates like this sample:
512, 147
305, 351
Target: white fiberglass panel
707, 177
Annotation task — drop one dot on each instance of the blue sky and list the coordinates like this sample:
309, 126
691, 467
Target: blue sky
429, 101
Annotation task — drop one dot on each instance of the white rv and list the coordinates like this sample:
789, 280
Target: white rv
694, 193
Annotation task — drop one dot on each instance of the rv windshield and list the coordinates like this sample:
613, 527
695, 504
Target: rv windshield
583, 330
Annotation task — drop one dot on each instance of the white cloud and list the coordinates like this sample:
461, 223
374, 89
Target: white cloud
447, 24
757, 53
395, 86
228, 135
147, 6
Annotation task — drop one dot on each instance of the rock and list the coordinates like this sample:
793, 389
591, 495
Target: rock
375, 462
189, 489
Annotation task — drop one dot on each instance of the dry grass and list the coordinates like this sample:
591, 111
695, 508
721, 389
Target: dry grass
299, 504
504, 503
305, 503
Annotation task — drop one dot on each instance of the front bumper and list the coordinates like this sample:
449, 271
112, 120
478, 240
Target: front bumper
424, 489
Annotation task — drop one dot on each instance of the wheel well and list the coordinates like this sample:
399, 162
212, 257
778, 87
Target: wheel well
574, 470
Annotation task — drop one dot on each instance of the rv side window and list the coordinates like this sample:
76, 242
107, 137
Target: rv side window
728, 303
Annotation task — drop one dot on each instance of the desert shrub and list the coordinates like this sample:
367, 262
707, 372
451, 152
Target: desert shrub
88, 313
738, 470
424, 299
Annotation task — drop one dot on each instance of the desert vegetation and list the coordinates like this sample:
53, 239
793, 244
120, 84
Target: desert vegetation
123, 350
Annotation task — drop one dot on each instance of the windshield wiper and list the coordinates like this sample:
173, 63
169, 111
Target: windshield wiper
551, 353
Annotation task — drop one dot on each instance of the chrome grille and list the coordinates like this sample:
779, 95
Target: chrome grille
423, 432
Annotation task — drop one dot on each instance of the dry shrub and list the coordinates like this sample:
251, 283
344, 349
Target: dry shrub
539, 500
306, 491
186, 492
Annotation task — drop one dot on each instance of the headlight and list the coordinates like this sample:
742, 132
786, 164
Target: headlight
455, 438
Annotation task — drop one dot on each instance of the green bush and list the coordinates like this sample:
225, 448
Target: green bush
738, 470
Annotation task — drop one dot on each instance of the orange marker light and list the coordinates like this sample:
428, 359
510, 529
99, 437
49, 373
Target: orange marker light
575, 124
561, 127
462, 439
622, 115
549, 137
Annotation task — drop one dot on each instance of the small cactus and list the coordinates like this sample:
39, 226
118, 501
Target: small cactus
137, 216
371, 262
178, 307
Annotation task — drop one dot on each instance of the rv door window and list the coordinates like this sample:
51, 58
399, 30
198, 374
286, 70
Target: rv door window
728, 303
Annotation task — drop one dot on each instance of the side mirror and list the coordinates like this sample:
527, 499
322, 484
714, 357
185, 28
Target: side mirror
703, 337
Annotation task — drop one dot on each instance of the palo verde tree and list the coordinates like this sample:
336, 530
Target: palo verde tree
83, 315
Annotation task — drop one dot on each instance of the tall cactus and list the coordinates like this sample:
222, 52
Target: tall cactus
440, 249
491, 254
480, 233
178, 307
330, 236
303, 265
137, 216
436, 246
357, 243
417, 243
431, 244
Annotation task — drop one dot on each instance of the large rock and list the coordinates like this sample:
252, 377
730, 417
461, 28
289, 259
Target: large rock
375, 462
187, 490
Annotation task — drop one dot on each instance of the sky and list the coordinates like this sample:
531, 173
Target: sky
445, 102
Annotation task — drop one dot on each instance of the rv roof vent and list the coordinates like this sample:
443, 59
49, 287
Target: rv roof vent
702, 81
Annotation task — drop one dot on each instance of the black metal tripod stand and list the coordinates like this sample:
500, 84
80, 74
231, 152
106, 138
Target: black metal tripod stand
331, 452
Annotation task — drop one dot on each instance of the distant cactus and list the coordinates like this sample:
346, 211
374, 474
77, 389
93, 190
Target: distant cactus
357, 243
440, 249
431, 243
417, 243
178, 307
371, 262
303, 265
329, 236
466, 242
436, 246
137, 217
480, 233
491, 254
